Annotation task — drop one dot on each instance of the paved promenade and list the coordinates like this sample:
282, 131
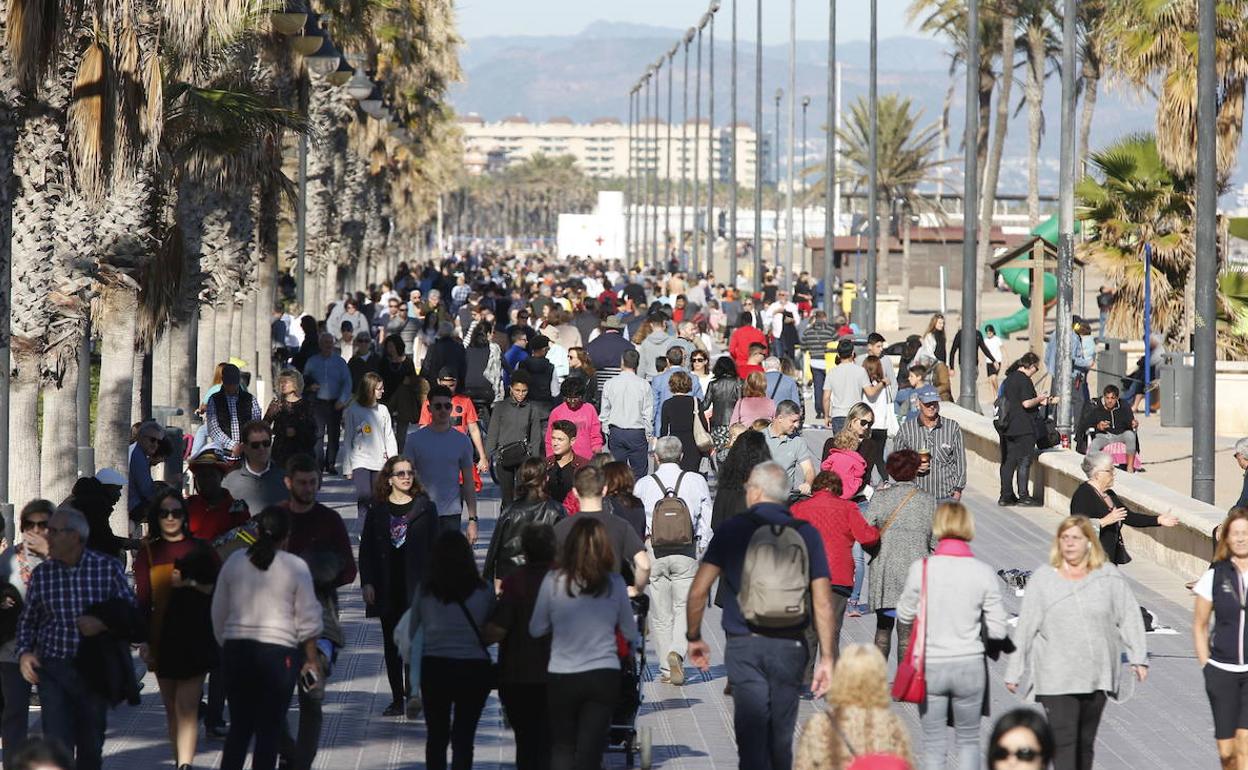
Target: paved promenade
1163, 724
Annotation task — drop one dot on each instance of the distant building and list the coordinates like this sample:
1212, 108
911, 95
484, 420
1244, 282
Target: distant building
601, 146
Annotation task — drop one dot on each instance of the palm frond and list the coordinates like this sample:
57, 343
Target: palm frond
90, 121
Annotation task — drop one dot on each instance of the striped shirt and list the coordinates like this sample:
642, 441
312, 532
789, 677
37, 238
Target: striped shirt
944, 442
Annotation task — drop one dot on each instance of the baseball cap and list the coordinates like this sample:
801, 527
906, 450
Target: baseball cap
927, 395
110, 477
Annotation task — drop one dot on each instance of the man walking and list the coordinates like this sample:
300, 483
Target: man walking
329, 381
677, 503
318, 536
628, 414
780, 386
607, 348
228, 409
765, 664
789, 450
815, 340
442, 457
938, 442
67, 595
257, 482
848, 384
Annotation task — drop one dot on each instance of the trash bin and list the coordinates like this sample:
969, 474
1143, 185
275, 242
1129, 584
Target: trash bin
1111, 364
1177, 385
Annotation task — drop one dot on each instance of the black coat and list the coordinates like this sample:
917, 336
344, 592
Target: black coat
1086, 502
104, 660
721, 396
376, 551
446, 353
505, 553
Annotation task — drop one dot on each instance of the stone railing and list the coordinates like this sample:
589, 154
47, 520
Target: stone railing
1186, 548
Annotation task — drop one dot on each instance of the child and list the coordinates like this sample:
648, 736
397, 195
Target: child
996, 347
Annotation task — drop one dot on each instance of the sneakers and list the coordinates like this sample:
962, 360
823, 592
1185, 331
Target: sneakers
676, 668
1030, 502
395, 709
414, 707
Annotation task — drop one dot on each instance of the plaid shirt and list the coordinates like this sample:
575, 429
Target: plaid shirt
58, 594
216, 431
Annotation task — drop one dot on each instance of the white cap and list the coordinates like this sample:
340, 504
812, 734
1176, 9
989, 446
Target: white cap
110, 477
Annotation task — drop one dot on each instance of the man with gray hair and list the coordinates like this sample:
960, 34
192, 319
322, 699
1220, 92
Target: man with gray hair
55, 624
765, 664
140, 486
674, 561
780, 386
329, 381
1241, 457
790, 450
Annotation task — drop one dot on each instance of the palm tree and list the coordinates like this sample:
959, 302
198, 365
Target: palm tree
1153, 43
1093, 23
907, 153
1041, 48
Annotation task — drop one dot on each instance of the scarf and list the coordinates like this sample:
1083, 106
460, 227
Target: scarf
953, 547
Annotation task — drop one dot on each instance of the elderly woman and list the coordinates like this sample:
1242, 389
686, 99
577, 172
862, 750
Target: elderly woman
1096, 500
1078, 619
963, 597
290, 418
903, 513
859, 720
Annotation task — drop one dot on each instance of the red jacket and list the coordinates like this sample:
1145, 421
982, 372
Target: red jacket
839, 523
739, 343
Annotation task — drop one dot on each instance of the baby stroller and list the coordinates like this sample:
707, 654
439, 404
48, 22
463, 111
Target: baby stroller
624, 736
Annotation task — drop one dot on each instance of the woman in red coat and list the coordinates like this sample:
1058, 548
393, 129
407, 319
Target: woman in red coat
840, 524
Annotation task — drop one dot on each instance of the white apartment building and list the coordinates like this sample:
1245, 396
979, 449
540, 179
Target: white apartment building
601, 147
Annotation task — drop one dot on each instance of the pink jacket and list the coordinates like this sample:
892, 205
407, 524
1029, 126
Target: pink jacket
588, 429
753, 408
850, 466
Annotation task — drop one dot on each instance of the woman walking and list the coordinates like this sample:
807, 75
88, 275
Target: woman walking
173, 579
620, 497
531, 508
700, 368
367, 439
1020, 740
720, 399
522, 657
1095, 499
933, 340
402, 387
515, 434
962, 594
455, 677
263, 609
290, 418
676, 418
583, 605
884, 419
1220, 596
755, 405
16, 566
845, 452
903, 513
750, 449
395, 546
1078, 619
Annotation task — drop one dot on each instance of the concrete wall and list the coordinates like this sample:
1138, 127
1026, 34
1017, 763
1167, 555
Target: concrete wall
1186, 548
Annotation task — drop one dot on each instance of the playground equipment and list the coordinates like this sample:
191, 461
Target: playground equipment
1017, 268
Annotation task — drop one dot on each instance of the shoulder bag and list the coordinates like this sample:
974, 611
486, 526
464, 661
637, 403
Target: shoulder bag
701, 436
910, 684
874, 550
492, 678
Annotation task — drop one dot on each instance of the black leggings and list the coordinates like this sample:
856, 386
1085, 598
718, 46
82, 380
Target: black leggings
1075, 720
452, 686
581, 706
884, 635
527, 710
872, 450
1019, 453
396, 672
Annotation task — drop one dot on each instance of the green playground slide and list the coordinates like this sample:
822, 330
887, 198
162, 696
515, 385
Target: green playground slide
1018, 279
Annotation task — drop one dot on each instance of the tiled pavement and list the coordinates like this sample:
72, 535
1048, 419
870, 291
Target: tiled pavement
1164, 723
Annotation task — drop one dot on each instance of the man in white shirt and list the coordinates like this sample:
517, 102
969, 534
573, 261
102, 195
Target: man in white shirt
776, 311
673, 566
848, 384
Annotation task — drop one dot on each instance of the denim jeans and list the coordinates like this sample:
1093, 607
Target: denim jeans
670, 578
766, 678
957, 684
630, 445
15, 723
72, 712
860, 574
817, 376
259, 678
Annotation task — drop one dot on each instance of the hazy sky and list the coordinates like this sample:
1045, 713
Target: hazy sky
478, 18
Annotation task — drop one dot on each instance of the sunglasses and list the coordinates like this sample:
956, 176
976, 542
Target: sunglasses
260, 444
172, 513
441, 406
866, 423
1000, 753
403, 474
35, 524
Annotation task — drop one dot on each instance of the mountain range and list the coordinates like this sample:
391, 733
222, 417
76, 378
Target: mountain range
588, 75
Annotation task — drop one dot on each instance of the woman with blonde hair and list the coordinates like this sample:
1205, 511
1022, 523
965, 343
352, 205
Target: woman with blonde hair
754, 404
859, 719
1079, 617
843, 453
964, 596
290, 418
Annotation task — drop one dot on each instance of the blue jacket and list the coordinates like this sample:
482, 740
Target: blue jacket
332, 374
787, 389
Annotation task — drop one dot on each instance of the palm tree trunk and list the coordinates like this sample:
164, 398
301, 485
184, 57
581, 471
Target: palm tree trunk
162, 393
886, 253
1091, 81
905, 260
118, 328
236, 331
221, 334
24, 475
59, 455
992, 175
1034, 93
182, 366
206, 350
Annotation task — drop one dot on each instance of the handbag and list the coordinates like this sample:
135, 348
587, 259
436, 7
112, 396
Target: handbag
511, 454
874, 550
701, 436
1047, 435
910, 685
492, 677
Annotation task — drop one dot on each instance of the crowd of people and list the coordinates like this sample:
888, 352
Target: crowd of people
648, 435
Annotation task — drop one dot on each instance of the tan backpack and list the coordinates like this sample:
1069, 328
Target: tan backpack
672, 524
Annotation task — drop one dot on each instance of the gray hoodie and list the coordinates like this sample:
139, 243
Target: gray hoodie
651, 348
1071, 634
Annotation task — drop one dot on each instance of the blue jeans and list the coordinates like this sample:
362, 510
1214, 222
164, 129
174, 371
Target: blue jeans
958, 684
72, 712
630, 445
860, 574
259, 678
766, 678
816, 377
838, 423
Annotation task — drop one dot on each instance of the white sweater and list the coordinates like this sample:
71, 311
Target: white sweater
368, 438
274, 606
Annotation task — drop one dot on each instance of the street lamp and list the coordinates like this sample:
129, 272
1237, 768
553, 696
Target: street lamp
288, 21
359, 86
805, 107
695, 233
776, 152
758, 148
968, 397
654, 184
873, 223
732, 162
667, 215
325, 61
684, 149
829, 170
342, 75
310, 40
711, 139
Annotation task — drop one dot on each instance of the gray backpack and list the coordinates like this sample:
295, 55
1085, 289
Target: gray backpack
775, 579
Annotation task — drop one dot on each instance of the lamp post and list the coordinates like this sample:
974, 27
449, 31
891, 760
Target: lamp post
802, 233
732, 162
654, 176
829, 170
788, 193
758, 147
776, 172
1066, 226
967, 396
684, 151
711, 140
873, 173
628, 202
1205, 342
644, 223
667, 214
697, 146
